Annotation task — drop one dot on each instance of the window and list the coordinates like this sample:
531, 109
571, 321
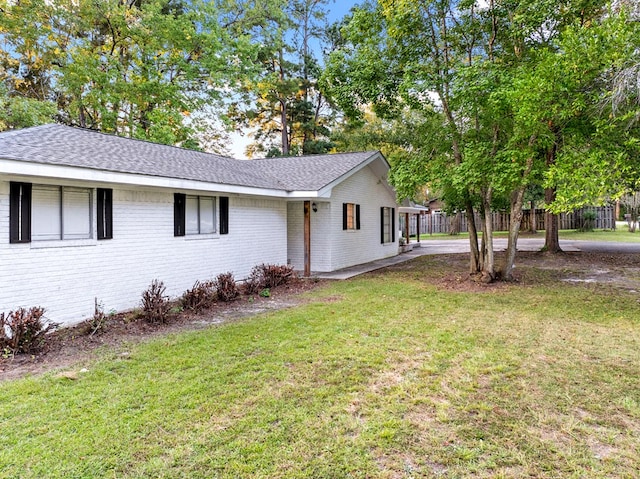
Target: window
350, 216
200, 215
60, 212
105, 213
387, 225
194, 215
45, 212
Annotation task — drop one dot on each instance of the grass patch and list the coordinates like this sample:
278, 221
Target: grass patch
619, 235
385, 376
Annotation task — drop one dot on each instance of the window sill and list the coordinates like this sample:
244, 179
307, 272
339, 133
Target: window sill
62, 243
208, 236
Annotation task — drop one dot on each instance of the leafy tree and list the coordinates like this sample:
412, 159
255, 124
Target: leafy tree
18, 112
136, 67
514, 86
281, 100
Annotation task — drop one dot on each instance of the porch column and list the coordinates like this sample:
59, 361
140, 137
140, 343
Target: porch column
418, 218
406, 226
307, 238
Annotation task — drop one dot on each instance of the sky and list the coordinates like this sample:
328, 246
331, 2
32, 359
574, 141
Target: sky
337, 9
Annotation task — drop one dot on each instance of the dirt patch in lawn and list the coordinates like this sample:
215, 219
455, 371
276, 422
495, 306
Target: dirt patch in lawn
69, 346
450, 271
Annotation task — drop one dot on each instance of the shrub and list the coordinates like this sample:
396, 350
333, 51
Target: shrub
155, 305
588, 220
200, 297
98, 322
266, 276
226, 287
24, 330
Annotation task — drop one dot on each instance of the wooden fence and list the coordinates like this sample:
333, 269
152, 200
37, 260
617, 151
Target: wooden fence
602, 217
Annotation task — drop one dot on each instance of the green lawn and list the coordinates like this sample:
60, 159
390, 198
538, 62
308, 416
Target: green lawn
385, 376
621, 235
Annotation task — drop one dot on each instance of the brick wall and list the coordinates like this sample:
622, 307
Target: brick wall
331, 247
353, 247
320, 240
64, 277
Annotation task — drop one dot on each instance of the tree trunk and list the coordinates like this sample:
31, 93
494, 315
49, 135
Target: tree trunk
474, 257
488, 263
551, 237
514, 230
283, 110
534, 224
285, 132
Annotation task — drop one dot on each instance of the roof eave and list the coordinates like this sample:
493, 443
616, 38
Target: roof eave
326, 189
59, 172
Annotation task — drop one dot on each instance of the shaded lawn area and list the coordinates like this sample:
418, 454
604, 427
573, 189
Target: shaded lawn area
390, 375
621, 234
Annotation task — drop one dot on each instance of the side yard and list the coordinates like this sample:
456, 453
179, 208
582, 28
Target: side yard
408, 372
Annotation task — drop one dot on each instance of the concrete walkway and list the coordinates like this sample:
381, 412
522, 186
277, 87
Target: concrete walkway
453, 246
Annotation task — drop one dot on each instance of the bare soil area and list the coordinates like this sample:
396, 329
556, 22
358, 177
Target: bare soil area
68, 346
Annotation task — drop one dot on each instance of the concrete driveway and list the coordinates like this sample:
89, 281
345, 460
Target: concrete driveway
529, 244
461, 245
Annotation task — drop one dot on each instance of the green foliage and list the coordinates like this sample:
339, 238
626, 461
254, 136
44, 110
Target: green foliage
19, 112
134, 68
350, 384
511, 95
281, 99
588, 220
265, 293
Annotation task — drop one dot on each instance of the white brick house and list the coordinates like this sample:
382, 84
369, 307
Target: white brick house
86, 216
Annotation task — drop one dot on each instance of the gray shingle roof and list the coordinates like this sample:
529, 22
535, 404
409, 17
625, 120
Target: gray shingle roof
68, 146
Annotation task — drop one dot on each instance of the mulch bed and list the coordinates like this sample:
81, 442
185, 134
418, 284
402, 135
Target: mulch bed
71, 345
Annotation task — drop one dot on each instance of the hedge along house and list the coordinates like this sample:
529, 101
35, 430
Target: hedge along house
86, 216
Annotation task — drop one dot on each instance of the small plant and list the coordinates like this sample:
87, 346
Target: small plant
23, 330
266, 276
265, 293
155, 305
588, 220
98, 322
200, 297
226, 287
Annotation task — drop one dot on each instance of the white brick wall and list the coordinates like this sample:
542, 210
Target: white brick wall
353, 247
331, 247
65, 277
320, 240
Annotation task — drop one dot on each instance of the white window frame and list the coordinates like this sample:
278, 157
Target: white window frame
64, 213
351, 216
386, 225
199, 213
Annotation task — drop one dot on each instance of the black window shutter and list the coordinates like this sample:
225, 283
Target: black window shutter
357, 217
105, 213
382, 225
224, 215
393, 225
179, 204
344, 216
19, 212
